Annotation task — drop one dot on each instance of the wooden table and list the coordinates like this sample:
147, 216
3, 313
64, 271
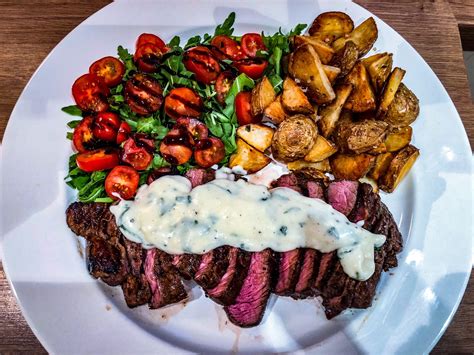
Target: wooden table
30, 29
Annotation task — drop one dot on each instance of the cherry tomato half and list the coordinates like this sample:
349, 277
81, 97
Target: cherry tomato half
183, 102
123, 132
138, 153
151, 38
99, 159
109, 69
209, 151
148, 57
254, 68
243, 108
143, 94
251, 43
202, 63
196, 128
224, 47
90, 93
105, 126
83, 135
176, 147
122, 183
223, 84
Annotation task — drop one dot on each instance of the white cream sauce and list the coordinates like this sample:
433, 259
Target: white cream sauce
171, 216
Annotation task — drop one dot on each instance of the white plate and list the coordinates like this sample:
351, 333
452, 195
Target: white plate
72, 313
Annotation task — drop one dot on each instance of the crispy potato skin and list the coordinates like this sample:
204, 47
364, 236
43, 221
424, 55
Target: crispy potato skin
323, 49
330, 114
379, 67
263, 95
322, 149
389, 91
257, 135
293, 98
294, 138
364, 37
398, 138
382, 162
275, 111
346, 58
362, 97
329, 26
249, 158
351, 166
322, 166
398, 168
361, 136
404, 108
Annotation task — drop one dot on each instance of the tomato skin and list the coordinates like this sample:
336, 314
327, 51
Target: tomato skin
109, 69
157, 173
123, 132
148, 57
209, 151
202, 63
143, 94
137, 153
83, 135
243, 108
224, 47
176, 147
223, 84
105, 126
183, 102
153, 39
196, 128
99, 159
251, 43
90, 93
253, 68
122, 182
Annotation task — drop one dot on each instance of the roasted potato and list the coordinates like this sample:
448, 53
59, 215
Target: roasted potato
293, 98
382, 162
275, 112
323, 49
315, 174
331, 72
248, 158
404, 108
351, 166
398, 168
301, 164
322, 149
307, 70
257, 135
371, 182
379, 149
329, 26
379, 67
360, 136
346, 58
362, 97
294, 138
398, 138
330, 113
389, 91
364, 37
263, 95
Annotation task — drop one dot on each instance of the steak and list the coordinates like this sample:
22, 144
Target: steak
200, 176
212, 267
304, 286
342, 195
187, 264
288, 272
136, 290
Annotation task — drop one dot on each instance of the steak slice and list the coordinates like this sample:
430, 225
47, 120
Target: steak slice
288, 272
249, 306
136, 290
342, 195
136, 256
212, 267
289, 181
165, 284
186, 264
326, 265
308, 272
199, 176
230, 284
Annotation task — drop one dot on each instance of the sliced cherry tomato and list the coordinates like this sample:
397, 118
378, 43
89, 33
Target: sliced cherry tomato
99, 159
138, 153
109, 69
243, 108
143, 94
123, 132
202, 63
196, 128
122, 183
223, 84
90, 93
176, 147
224, 47
148, 57
83, 136
105, 126
254, 68
251, 43
183, 102
209, 151
151, 38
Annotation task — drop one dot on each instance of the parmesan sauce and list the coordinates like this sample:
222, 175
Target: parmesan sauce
171, 216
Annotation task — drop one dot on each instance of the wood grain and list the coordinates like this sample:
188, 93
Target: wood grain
30, 29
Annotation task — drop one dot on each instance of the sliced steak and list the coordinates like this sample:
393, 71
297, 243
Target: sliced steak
342, 195
325, 267
200, 176
308, 272
212, 267
249, 306
136, 256
136, 290
230, 284
165, 284
186, 264
289, 181
288, 272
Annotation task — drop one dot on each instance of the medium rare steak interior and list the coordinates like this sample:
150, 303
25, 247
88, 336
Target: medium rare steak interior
241, 281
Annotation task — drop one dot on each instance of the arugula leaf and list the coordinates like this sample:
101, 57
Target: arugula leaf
73, 124
127, 59
152, 126
227, 26
193, 42
241, 83
297, 30
69, 135
174, 42
158, 162
72, 110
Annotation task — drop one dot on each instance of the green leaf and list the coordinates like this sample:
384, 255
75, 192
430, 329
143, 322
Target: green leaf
159, 162
69, 135
241, 83
127, 60
72, 110
227, 26
73, 124
193, 41
152, 126
299, 28
174, 42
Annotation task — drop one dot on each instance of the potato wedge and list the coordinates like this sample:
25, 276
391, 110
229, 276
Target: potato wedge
306, 69
301, 164
322, 149
398, 138
293, 98
330, 114
362, 97
257, 135
382, 162
398, 168
332, 73
389, 91
346, 58
323, 49
379, 149
364, 37
361, 136
263, 95
275, 112
379, 67
404, 108
329, 26
371, 182
351, 167
248, 158
315, 174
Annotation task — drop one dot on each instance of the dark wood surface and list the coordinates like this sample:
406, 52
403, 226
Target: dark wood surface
30, 29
